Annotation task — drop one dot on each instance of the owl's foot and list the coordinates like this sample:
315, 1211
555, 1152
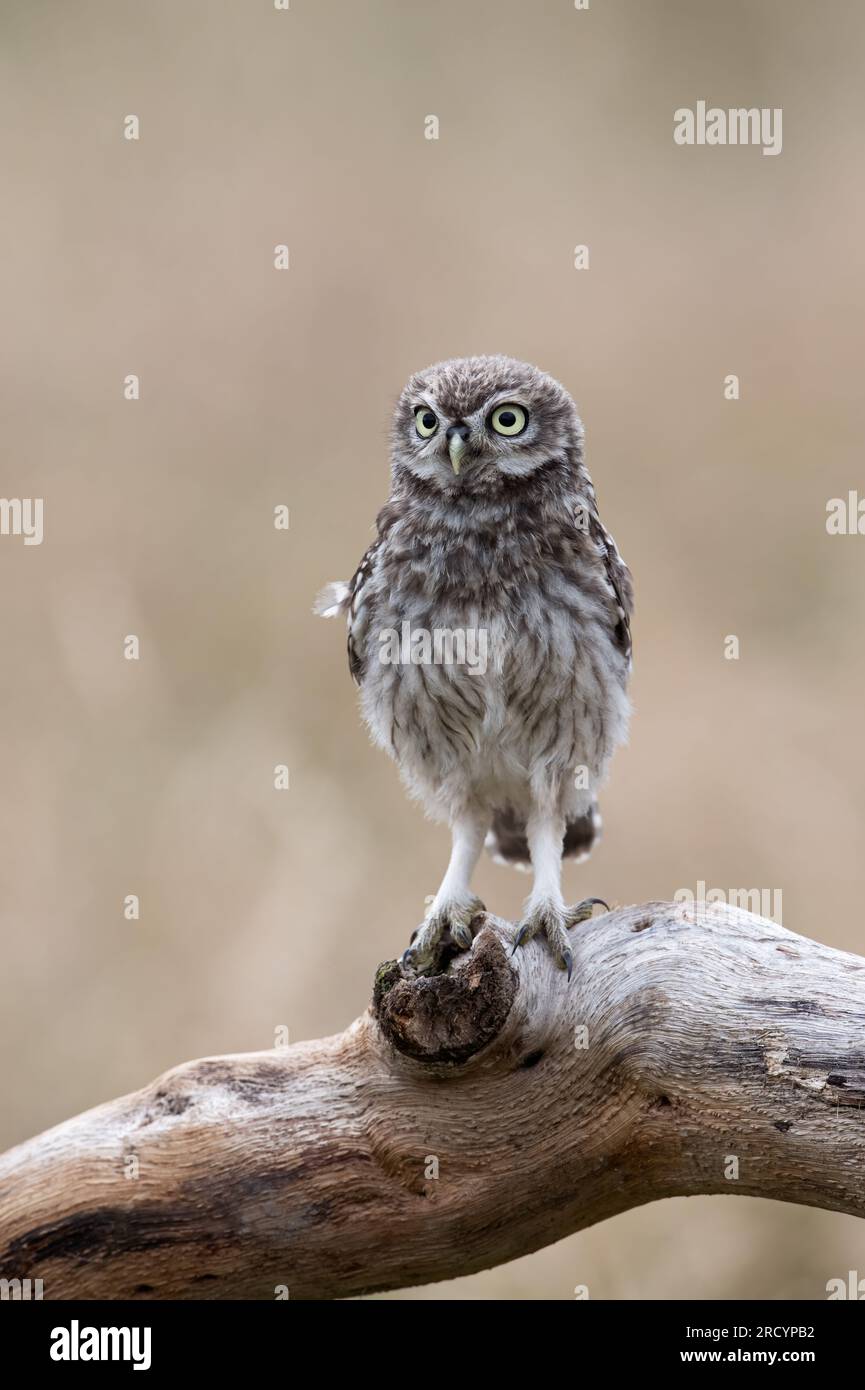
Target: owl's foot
554, 921
449, 924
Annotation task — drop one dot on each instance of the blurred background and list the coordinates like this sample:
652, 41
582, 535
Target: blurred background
262, 908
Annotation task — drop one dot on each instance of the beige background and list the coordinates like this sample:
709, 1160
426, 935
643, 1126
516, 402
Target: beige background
262, 908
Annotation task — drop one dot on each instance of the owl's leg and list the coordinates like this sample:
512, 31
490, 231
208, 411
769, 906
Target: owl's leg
545, 909
454, 905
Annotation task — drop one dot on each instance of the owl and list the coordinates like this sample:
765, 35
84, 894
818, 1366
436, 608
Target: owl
489, 633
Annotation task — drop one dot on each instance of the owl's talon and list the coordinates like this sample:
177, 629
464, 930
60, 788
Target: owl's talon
545, 918
554, 922
462, 935
581, 912
520, 937
427, 942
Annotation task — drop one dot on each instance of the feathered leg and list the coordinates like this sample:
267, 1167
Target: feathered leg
545, 909
454, 905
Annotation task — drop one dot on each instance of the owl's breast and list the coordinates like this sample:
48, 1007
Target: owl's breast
488, 693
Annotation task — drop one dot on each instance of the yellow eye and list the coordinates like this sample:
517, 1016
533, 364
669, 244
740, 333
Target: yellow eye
425, 421
509, 419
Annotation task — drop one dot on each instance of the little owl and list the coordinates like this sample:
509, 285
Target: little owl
489, 633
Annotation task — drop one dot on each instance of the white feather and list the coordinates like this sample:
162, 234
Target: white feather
332, 599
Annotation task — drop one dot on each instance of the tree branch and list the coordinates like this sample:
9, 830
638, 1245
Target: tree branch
542, 1107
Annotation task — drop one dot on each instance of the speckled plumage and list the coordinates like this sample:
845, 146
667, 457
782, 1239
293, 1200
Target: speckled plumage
510, 546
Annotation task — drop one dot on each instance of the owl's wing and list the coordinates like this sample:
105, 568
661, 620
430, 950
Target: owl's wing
357, 598
356, 601
615, 573
359, 606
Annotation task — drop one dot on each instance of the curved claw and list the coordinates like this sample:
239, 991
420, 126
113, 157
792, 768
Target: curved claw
568, 959
520, 937
462, 936
581, 912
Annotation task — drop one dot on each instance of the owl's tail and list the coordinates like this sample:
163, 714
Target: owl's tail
507, 841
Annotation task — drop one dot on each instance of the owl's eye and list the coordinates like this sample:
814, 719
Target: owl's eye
426, 423
509, 419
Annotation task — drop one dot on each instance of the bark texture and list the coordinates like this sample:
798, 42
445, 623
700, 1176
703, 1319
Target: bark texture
685, 1040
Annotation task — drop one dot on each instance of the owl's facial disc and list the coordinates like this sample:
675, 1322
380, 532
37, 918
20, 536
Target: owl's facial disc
496, 437
476, 426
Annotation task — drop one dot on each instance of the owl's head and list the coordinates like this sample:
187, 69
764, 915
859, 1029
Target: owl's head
473, 424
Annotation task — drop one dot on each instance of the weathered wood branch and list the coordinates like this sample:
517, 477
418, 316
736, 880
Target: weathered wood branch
543, 1107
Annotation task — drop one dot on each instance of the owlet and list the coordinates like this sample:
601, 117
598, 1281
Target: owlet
489, 633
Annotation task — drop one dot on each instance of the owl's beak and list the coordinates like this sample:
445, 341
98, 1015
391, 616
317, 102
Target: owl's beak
456, 449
